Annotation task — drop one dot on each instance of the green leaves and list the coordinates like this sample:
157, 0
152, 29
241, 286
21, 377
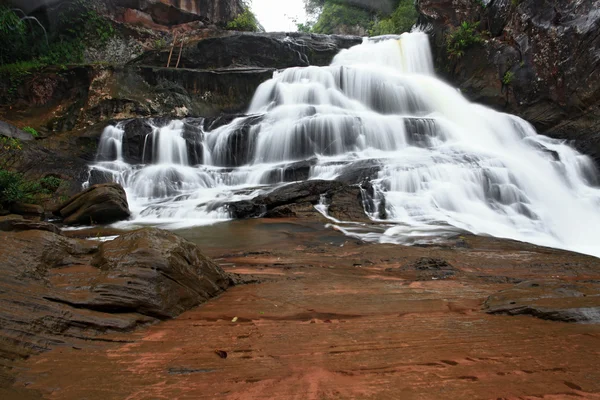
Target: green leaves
246, 21
15, 188
461, 38
401, 20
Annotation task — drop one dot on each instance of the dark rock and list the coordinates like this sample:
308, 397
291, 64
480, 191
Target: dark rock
549, 299
12, 131
299, 198
100, 204
426, 269
30, 211
16, 223
258, 50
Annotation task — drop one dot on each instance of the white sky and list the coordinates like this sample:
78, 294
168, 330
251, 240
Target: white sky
277, 15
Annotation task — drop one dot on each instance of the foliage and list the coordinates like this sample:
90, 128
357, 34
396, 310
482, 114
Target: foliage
327, 16
401, 20
15, 188
31, 131
335, 15
508, 78
27, 45
246, 21
461, 38
51, 183
7, 143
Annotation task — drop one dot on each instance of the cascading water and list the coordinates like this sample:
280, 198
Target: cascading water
446, 165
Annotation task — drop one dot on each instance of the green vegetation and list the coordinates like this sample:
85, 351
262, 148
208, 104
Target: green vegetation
246, 21
15, 188
401, 20
28, 45
335, 16
7, 143
461, 38
508, 78
31, 131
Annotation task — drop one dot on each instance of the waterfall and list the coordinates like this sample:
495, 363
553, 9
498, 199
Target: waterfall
447, 165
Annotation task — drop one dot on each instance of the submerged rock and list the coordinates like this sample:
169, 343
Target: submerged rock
549, 299
100, 204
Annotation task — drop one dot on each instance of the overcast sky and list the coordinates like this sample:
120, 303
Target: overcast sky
277, 15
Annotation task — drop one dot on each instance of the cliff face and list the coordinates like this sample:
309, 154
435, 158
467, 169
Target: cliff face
539, 59
175, 12
152, 12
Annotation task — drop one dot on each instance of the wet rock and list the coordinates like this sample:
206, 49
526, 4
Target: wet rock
12, 131
426, 269
16, 223
30, 211
549, 299
262, 50
100, 204
299, 198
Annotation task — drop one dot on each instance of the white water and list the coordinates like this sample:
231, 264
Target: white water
448, 165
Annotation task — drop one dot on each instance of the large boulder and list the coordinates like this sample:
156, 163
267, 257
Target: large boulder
99, 204
60, 291
538, 59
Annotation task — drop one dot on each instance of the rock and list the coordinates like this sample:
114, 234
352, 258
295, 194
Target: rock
100, 204
549, 299
30, 211
426, 269
60, 291
548, 48
16, 223
299, 198
177, 12
257, 50
12, 131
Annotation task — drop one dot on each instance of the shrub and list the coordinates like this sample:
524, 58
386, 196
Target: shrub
335, 15
246, 21
15, 188
51, 183
461, 38
7, 143
401, 20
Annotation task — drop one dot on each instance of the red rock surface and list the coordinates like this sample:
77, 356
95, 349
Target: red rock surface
328, 321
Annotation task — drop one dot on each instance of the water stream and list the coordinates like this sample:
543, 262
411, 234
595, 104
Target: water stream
445, 165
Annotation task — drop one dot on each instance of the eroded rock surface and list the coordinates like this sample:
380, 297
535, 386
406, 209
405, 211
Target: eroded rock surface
549, 299
55, 290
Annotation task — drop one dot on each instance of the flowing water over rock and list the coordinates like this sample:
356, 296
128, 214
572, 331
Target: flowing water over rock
437, 163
